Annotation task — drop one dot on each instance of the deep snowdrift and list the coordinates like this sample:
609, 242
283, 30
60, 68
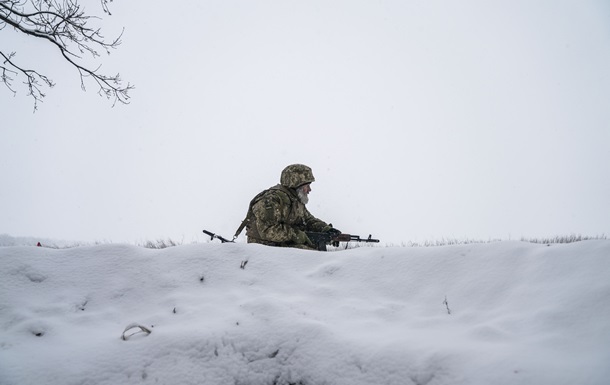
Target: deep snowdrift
500, 313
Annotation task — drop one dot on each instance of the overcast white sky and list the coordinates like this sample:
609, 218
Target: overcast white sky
420, 119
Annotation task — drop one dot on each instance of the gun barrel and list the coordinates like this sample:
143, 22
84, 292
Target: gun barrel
369, 239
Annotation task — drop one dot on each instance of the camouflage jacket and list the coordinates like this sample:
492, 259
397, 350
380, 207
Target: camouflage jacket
277, 217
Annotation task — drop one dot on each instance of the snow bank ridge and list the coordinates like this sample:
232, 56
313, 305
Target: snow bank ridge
501, 313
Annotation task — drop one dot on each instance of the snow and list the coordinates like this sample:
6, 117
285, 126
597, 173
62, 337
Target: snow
497, 313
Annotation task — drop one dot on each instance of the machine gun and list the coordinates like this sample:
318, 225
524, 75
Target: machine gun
320, 240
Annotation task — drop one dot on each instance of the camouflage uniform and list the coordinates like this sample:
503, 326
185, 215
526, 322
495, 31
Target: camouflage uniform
277, 217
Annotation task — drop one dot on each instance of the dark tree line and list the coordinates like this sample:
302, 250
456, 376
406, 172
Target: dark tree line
64, 25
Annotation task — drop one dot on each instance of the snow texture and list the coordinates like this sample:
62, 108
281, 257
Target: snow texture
498, 313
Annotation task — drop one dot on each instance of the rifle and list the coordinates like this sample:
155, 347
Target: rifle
320, 240
222, 239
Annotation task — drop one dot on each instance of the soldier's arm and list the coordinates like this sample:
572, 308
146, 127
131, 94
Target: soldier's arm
314, 224
271, 219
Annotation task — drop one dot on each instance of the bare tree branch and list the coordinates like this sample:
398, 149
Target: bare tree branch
63, 24
32, 77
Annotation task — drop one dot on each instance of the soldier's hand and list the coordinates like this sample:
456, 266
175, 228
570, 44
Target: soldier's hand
302, 239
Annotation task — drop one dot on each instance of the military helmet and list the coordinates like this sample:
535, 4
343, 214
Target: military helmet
296, 175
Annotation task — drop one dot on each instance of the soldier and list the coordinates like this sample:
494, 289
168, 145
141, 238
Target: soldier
278, 216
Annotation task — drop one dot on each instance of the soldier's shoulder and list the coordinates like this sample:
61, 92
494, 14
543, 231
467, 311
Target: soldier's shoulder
276, 193
279, 192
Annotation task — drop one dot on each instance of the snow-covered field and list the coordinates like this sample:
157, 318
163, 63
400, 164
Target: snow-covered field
497, 313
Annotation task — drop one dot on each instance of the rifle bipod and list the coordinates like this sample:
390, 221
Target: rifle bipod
216, 236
